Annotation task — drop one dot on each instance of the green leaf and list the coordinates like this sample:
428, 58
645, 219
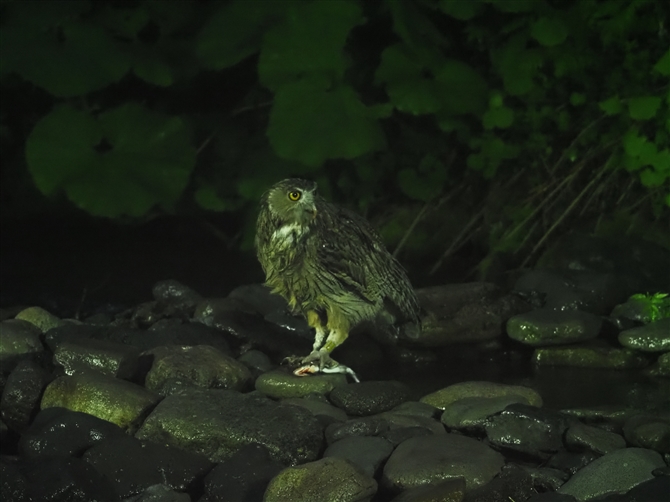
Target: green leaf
207, 198
577, 99
124, 162
611, 106
150, 67
459, 9
549, 31
425, 182
310, 40
513, 5
461, 89
68, 60
236, 31
663, 64
662, 161
517, 65
651, 178
312, 123
643, 107
501, 118
408, 89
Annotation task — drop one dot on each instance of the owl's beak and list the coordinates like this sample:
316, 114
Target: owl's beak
312, 213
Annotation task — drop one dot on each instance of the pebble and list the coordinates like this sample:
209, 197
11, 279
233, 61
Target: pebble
542, 327
580, 436
317, 408
282, 384
652, 337
369, 398
18, 340
528, 430
615, 472
22, 393
590, 357
40, 318
122, 403
425, 460
218, 423
367, 452
444, 397
471, 413
110, 358
202, 365
330, 479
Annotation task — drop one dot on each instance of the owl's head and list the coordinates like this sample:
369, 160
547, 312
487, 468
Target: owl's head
292, 201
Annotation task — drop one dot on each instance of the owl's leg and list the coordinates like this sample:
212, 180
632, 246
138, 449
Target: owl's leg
314, 320
338, 328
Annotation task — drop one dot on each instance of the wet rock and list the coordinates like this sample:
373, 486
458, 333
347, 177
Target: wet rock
369, 398
401, 420
225, 315
603, 414
368, 426
654, 490
317, 408
638, 309
18, 340
573, 289
580, 437
282, 384
39, 318
590, 357
542, 327
21, 394
661, 368
451, 490
637, 264
470, 413
652, 337
367, 452
417, 409
132, 465
120, 402
616, 472
13, 484
546, 478
273, 308
464, 313
61, 432
109, 358
218, 423
173, 332
327, 480
527, 430
67, 478
257, 362
243, 477
570, 462
402, 434
160, 493
427, 460
552, 497
174, 293
648, 431
444, 397
202, 365
513, 483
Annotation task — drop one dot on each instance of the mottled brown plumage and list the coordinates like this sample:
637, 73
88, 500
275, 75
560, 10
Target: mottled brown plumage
330, 265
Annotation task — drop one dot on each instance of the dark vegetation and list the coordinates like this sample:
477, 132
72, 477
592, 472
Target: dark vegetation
483, 129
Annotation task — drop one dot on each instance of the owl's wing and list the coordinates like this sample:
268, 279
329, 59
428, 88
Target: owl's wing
350, 250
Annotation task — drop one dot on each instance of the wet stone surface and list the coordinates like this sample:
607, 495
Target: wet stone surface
185, 399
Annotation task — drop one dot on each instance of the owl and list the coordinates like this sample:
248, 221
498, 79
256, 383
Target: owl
331, 266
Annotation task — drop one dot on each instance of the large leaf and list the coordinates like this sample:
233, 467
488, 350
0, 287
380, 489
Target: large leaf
310, 40
236, 31
517, 65
407, 87
459, 9
461, 88
643, 107
312, 123
64, 56
123, 162
549, 31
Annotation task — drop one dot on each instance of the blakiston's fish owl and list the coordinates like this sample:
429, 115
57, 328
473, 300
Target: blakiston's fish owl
330, 265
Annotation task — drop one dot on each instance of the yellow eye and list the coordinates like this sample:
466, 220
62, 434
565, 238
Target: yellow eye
294, 195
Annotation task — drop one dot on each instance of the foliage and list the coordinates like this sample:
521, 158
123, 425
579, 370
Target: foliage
656, 306
562, 106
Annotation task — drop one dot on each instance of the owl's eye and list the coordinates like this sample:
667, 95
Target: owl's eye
294, 195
